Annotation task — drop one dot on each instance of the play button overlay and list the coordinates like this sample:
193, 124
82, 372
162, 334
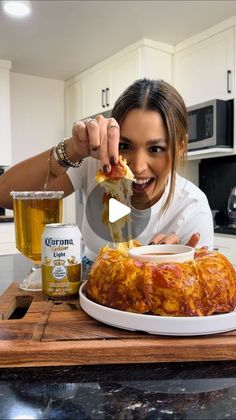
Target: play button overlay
116, 210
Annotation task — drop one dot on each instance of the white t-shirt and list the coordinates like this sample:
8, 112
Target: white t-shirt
188, 213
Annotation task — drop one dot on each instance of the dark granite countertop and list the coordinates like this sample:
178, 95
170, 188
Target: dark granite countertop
158, 391
205, 390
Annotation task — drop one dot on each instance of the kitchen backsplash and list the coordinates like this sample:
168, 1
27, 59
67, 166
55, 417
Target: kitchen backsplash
217, 176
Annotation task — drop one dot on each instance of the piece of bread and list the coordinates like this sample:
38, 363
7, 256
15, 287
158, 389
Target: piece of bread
204, 286
118, 171
117, 184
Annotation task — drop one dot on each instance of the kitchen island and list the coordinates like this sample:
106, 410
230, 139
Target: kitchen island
200, 390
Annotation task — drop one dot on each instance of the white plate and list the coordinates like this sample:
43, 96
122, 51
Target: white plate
161, 325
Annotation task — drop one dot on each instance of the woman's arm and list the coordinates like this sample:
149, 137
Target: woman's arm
98, 137
31, 175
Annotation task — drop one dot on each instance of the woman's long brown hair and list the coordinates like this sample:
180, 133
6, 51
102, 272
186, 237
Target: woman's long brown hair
159, 96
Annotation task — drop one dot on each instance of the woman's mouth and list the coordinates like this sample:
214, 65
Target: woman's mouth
141, 185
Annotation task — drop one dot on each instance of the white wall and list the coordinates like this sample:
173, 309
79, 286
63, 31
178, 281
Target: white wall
37, 114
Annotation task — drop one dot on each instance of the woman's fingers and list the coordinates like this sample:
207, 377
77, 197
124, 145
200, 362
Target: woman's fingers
193, 241
171, 239
93, 131
109, 138
103, 148
165, 239
174, 239
80, 139
157, 239
98, 137
113, 136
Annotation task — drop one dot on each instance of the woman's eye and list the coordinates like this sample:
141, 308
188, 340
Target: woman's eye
156, 149
124, 146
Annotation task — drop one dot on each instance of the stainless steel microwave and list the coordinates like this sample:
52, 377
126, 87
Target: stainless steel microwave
210, 124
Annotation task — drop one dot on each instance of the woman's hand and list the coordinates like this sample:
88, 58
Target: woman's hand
193, 241
98, 137
174, 239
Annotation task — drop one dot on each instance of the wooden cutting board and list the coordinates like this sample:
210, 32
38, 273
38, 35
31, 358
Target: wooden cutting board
59, 333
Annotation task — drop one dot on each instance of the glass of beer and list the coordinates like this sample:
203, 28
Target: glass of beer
32, 211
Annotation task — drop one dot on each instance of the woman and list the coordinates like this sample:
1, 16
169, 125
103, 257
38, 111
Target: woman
148, 127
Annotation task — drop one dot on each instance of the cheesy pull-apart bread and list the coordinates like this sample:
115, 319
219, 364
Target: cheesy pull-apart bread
117, 184
204, 286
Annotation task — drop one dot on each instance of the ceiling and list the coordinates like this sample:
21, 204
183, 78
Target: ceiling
63, 38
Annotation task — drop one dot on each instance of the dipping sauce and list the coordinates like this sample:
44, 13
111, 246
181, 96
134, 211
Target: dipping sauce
162, 253
159, 253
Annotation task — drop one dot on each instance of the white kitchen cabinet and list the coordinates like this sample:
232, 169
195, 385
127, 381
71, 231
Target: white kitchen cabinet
7, 239
85, 97
5, 113
96, 92
142, 62
73, 105
205, 70
123, 72
226, 245
100, 86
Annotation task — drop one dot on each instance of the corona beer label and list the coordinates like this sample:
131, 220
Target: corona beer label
61, 260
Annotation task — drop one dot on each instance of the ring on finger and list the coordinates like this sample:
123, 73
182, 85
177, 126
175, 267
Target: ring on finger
89, 120
92, 120
113, 126
86, 120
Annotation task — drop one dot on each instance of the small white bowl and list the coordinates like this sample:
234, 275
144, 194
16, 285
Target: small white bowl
162, 253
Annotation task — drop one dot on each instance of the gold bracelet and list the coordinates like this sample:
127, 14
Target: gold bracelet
59, 153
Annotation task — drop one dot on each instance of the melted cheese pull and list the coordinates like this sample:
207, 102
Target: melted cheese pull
117, 184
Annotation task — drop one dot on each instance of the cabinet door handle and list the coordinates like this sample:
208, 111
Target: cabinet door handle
103, 98
107, 96
229, 80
